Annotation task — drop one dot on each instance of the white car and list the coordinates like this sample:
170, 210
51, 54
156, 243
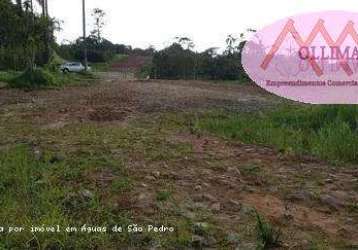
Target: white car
73, 67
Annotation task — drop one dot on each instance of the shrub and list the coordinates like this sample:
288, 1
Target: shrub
145, 71
54, 63
7, 76
32, 79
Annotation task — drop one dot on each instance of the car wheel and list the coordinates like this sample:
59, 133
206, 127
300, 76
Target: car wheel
65, 71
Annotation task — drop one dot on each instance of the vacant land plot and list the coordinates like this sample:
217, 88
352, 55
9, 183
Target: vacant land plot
119, 153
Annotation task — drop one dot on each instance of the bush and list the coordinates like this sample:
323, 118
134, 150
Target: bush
144, 71
54, 63
32, 79
7, 76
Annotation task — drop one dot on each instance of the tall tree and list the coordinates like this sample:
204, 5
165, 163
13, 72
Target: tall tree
185, 42
47, 32
19, 5
230, 44
84, 33
30, 34
22, 41
99, 23
44, 7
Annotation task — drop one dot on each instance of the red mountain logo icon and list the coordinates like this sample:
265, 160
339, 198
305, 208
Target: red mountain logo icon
318, 28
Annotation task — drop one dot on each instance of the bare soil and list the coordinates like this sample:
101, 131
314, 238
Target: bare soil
115, 100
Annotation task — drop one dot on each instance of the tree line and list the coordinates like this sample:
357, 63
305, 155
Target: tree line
26, 38
179, 61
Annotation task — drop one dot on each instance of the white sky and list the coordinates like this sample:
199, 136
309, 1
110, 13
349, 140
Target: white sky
141, 23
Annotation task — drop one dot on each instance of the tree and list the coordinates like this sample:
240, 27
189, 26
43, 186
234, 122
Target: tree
99, 23
211, 51
22, 40
185, 42
230, 44
174, 62
47, 31
242, 41
19, 6
44, 7
84, 34
30, 38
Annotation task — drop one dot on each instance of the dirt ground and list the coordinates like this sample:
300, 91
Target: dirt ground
220, 181
115, 100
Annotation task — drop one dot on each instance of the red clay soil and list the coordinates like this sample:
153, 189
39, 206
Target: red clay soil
131, 63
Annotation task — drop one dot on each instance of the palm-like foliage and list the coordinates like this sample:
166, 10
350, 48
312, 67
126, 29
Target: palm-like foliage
230, 44
185, 42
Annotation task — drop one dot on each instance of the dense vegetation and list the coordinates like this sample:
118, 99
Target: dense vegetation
175, 62
26, 44
25, 37
99, 50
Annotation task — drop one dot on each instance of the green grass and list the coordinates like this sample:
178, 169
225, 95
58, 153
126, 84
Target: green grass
231, 82
28, 198
329, 132
163, 195
49, 189
36, 192
121, 185
267, 236
251, 170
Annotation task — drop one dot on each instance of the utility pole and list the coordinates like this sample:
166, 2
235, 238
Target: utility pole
84, 34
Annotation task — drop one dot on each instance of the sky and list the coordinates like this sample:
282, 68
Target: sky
144, 23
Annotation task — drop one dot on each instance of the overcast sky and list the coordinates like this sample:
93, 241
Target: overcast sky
142, 23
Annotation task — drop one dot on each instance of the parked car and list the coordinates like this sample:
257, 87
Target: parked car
73, 67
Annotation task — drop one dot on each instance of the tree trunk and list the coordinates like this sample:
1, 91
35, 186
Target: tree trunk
48, 49
84, 34
19, 5
32, 45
